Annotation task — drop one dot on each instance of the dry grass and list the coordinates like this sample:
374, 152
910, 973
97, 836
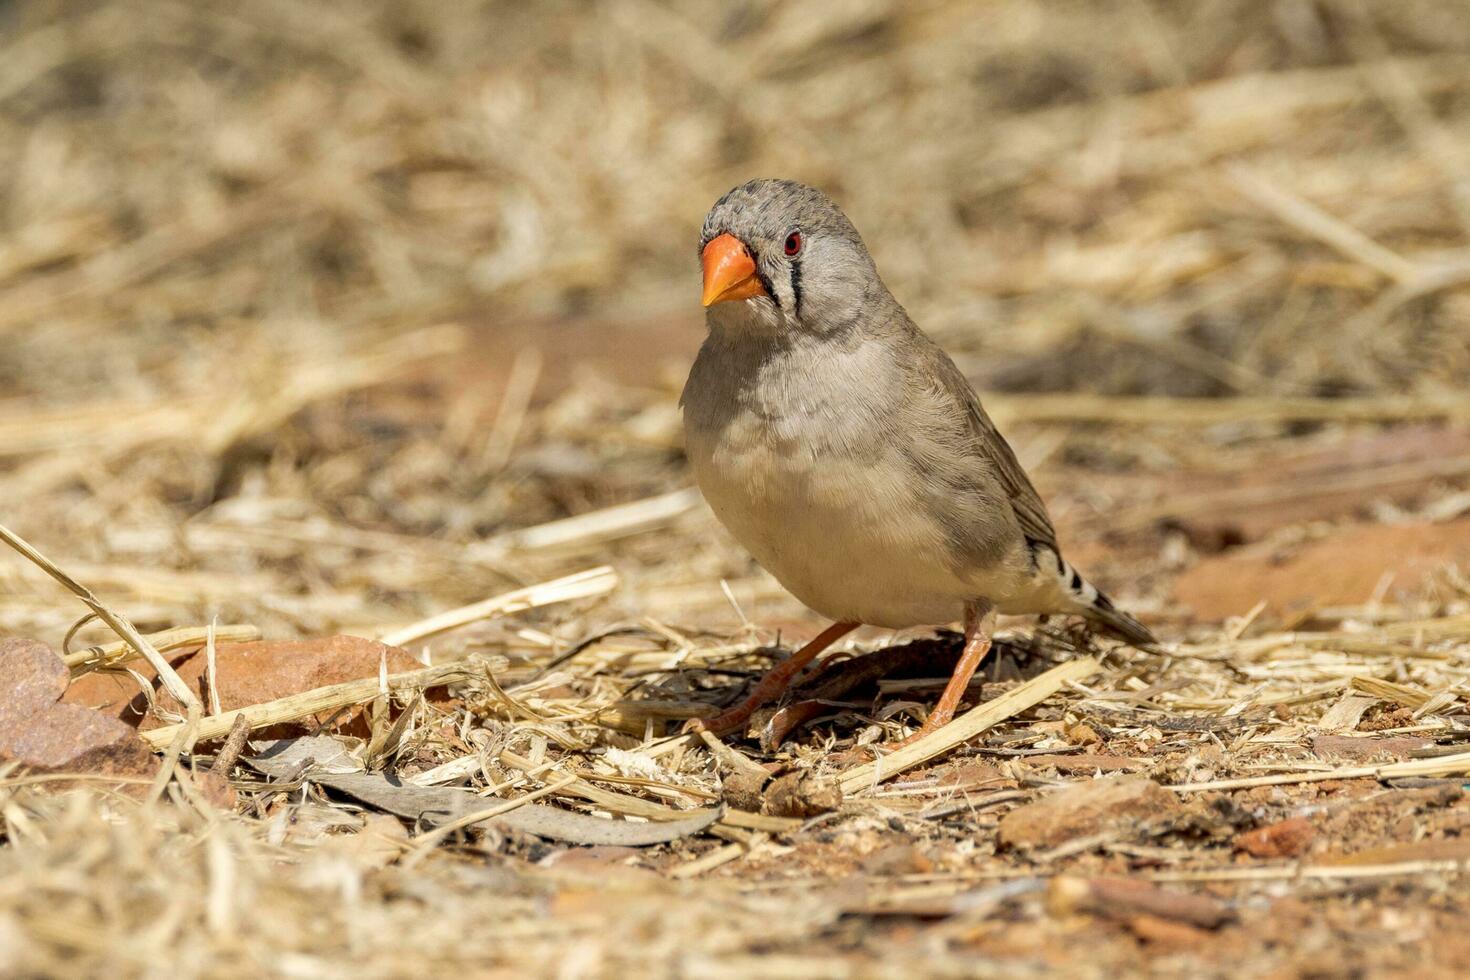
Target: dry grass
292, 300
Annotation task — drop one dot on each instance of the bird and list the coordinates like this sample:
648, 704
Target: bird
846, 451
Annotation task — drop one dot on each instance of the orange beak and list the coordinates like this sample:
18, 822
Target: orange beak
729, 272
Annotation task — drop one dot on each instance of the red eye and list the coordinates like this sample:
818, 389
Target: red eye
793, 243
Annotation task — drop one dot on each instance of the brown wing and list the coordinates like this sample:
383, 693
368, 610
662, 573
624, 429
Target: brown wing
1025, 501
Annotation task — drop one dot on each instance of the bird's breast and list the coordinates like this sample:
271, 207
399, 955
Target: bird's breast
806, 468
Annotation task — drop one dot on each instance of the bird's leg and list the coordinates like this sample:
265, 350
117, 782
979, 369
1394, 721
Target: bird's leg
979, 625
773, 684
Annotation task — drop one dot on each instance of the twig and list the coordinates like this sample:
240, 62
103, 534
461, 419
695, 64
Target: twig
1313, 221
1449, 765
296, 706
731, 759
112, 654
229, 753
637, 807
515, 399
117, 621
1317, 872
583, 585
592, 528
212, 666
1389, 691
1164, 410
714, 859
180, 736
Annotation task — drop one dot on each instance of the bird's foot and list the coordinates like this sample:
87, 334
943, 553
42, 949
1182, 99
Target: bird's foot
930, 726
877, 750
979, 624
771, 686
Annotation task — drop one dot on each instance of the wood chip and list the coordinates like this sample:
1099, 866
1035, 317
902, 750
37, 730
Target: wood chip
1346, 713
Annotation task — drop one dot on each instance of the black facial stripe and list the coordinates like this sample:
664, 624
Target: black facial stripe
766, 282
1076, 581
796, 283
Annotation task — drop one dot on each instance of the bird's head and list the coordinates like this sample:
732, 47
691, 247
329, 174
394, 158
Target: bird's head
780, 256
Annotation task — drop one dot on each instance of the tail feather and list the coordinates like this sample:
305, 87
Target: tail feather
1089, 602
1103, 612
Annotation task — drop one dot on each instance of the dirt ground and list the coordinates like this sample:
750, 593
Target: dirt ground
322, 325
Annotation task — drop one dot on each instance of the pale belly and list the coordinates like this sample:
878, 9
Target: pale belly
848, 540
795, 454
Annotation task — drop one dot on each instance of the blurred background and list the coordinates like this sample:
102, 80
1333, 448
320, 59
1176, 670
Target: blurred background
304, 308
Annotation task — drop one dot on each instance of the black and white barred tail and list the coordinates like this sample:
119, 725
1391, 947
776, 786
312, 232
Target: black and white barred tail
1088, 601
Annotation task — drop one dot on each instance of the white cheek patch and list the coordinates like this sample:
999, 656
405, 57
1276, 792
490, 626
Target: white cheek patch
757, 316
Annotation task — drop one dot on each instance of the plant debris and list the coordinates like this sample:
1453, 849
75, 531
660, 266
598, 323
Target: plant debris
368, 320
437, 806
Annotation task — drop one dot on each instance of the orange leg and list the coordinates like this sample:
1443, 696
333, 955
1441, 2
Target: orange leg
771, 686
978, 627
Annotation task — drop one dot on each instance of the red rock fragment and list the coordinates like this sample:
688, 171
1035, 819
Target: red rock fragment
251, 673
1359, 749
216, 790
1124, 804
1283, 839
44, 736
35, 677
1343, 569
898, 859
1167, 935
1124, 899
973, 775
